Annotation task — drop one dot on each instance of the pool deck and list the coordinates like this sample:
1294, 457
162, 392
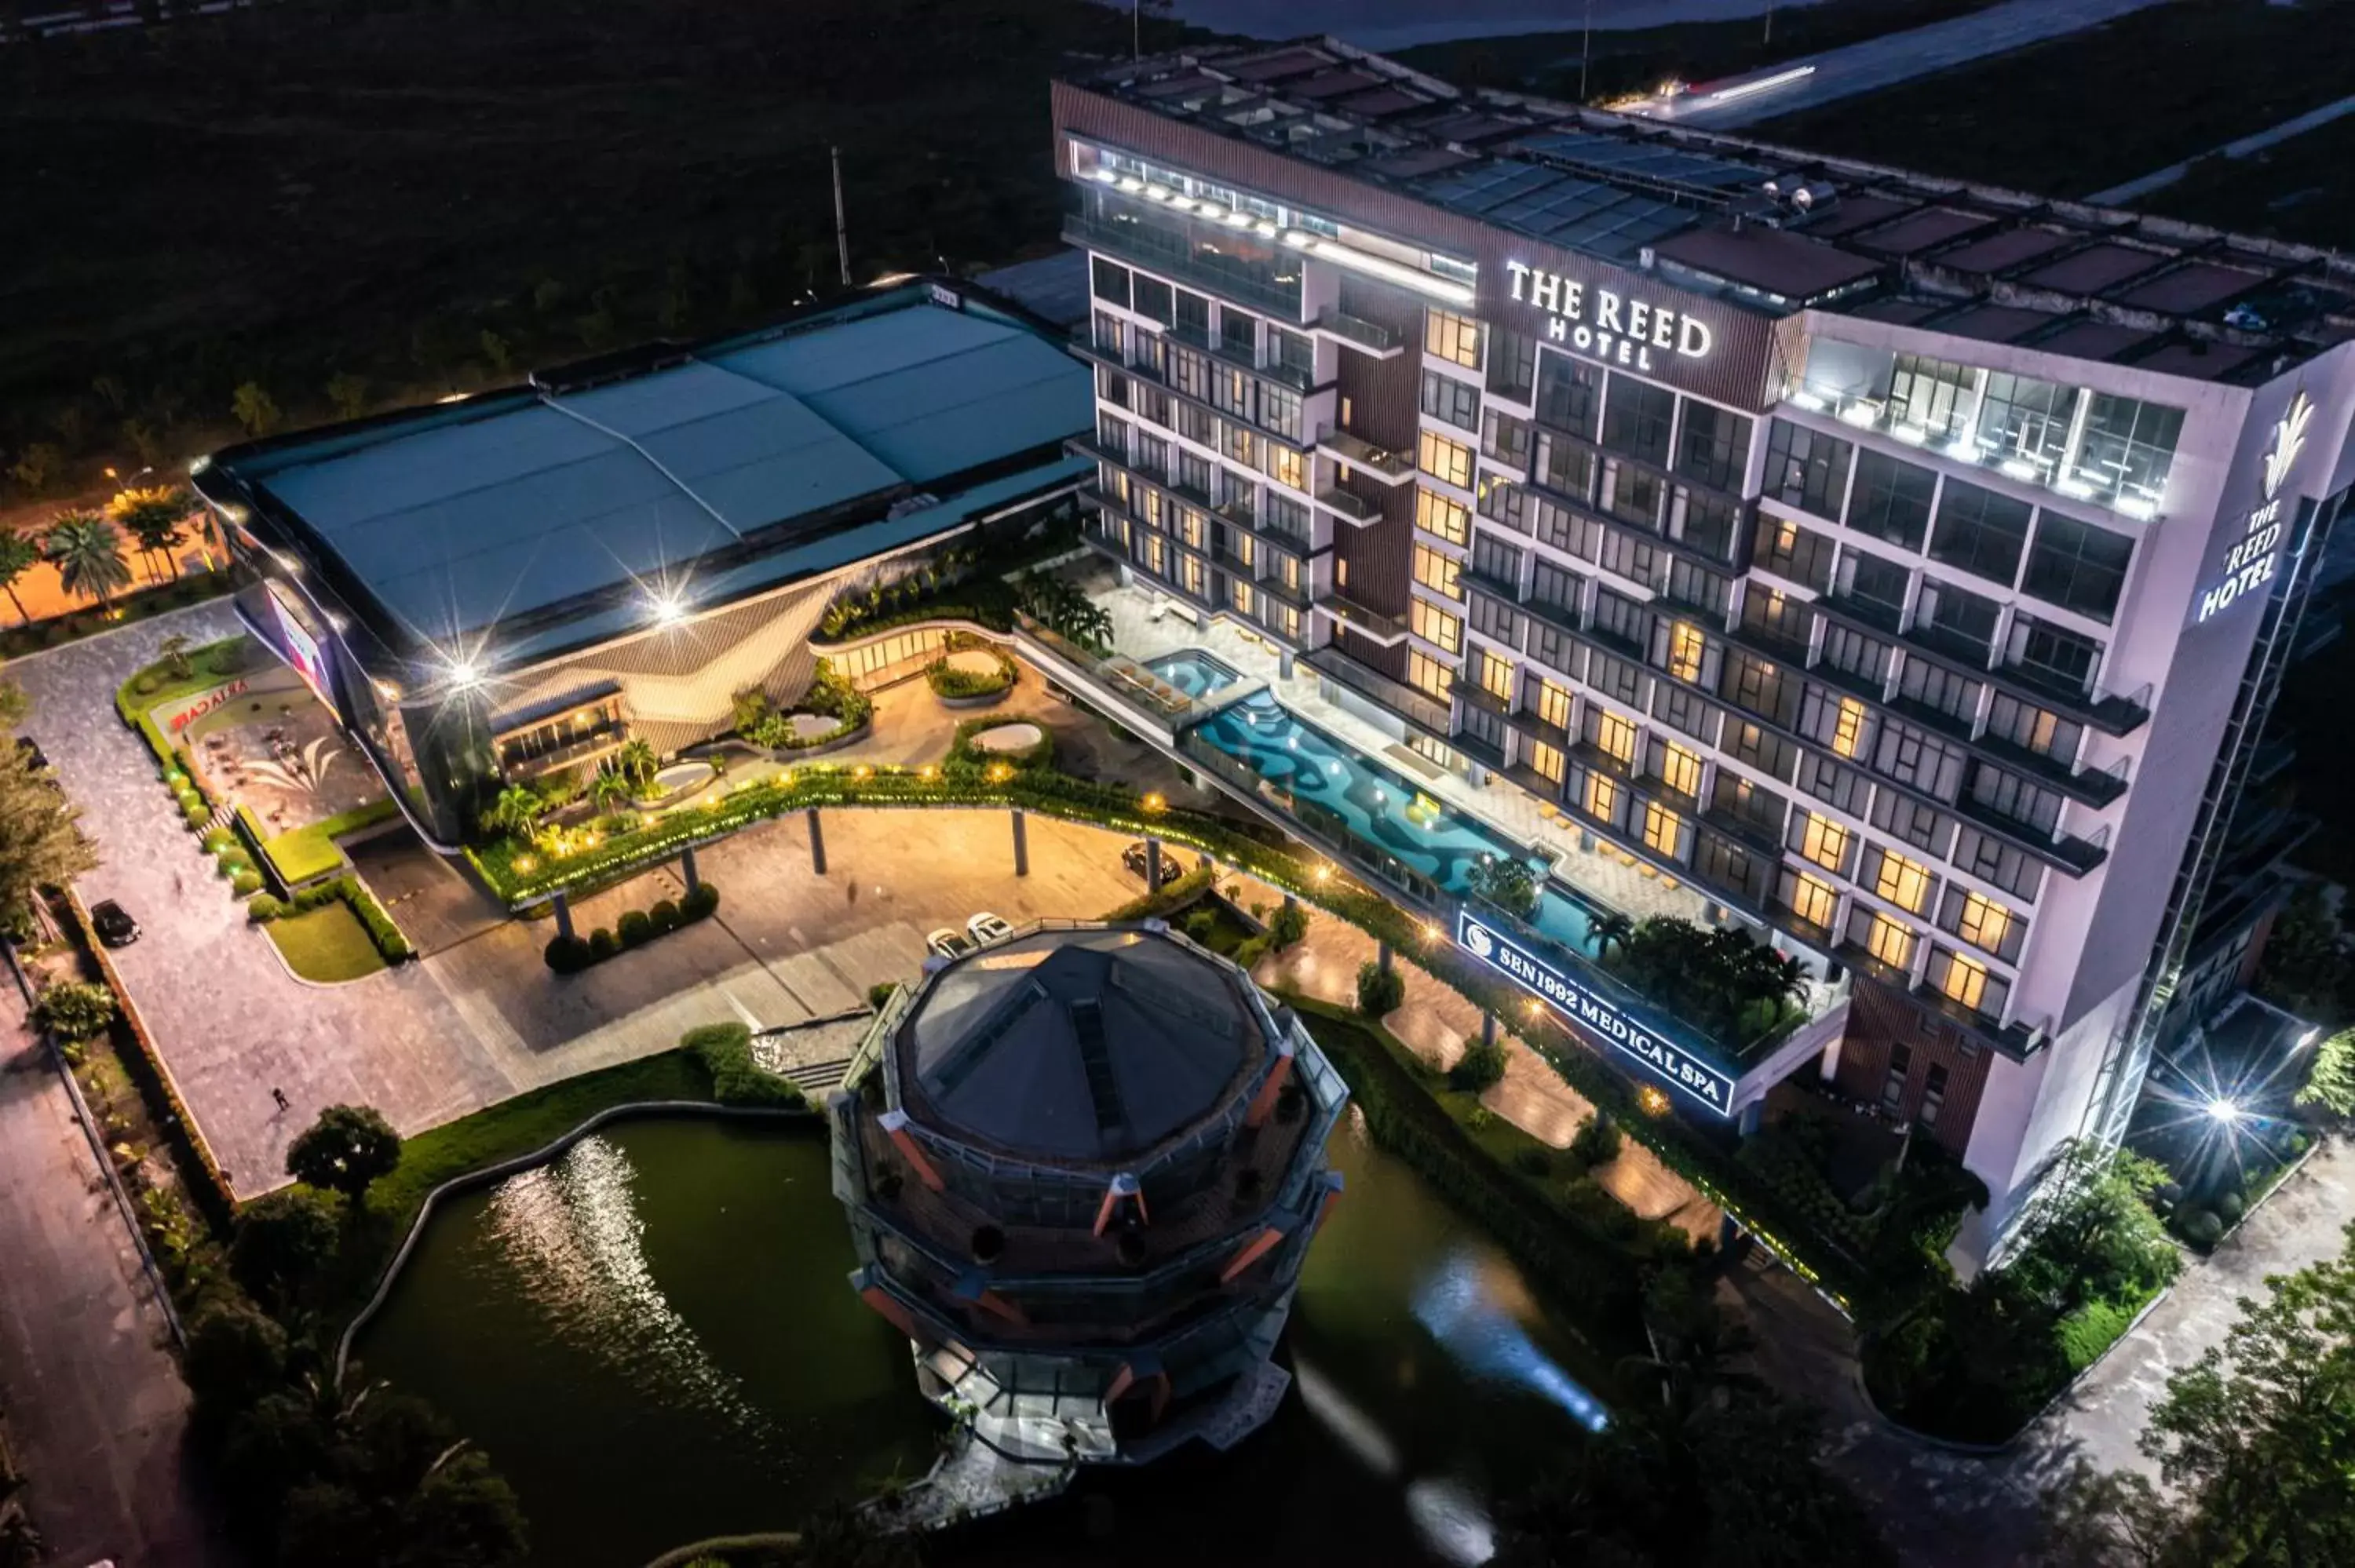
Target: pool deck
1615, 881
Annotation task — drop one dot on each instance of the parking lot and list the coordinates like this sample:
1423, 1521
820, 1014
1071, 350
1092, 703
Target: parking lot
480, 1017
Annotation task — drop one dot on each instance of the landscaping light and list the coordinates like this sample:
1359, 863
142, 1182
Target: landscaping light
1154, 802
1652, 1101
2223, 1111
1323, 874
786, 777
926, 772
861, 771
1430, 933
525, 863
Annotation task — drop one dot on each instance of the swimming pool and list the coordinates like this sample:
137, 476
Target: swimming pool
1193, 672
1330, 785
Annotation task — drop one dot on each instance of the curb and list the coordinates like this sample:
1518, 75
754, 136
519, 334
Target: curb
467, 1180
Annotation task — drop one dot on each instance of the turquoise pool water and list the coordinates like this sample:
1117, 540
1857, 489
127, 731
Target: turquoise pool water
1193, 672
1328, 780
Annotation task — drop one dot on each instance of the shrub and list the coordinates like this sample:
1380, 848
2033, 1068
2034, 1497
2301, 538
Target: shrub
880, 992
567, 954
185, 794
195, 815
1533, 1162
2091, 1330
1201, 923
702, 899
262, 908
2200, 1227
1480, 1068
1597, 1142
245, 881
232, 861
1290, 924
663, 916
2230, 1207
725, 1051
1250, 951
217, 840
947, 681
74, 1010
1379, 990
634, 928
602, 945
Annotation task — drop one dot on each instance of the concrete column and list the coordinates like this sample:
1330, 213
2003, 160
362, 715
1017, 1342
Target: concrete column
563, 913
687, 868
1487, 1029
1284, 663
1021, 844
1752, 1115
1827, 1064
818, 843
1382, 957
1152, 864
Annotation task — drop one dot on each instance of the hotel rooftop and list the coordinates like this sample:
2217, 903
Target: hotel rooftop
1774, 228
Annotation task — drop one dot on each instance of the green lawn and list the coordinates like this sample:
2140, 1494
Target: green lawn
326, 945
2099, 107
306, 852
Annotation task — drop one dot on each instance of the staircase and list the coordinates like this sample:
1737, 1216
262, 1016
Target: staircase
816, 1078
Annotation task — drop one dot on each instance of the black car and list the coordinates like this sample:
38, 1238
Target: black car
113, 924
1137, 859
34, 758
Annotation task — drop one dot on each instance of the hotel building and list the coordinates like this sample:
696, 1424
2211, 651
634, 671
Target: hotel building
1900, 569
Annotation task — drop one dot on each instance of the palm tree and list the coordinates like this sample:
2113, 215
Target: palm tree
19, 555
637, 763
612, 789
1610, 930
174, 653
87, 551
156, 518
517, 810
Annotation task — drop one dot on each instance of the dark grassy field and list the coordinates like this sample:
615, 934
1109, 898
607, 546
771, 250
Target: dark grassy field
2097, 108
303, 191
2303, 188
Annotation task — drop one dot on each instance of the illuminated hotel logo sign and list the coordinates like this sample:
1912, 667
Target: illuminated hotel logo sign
2249, 565
1606, 326
1594, 1013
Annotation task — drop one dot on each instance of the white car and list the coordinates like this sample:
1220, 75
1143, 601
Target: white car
985, 928
947, 943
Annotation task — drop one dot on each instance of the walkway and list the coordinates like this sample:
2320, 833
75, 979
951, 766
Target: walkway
2160, 179
92, 1394
1941, 1508
1437, 1021
1885, 61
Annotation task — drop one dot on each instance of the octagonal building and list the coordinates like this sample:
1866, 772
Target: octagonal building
1082, 1168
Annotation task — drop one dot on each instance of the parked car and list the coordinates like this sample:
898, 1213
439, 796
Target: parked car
34, 758
1137, 859
985, 928
113, 924
947, 942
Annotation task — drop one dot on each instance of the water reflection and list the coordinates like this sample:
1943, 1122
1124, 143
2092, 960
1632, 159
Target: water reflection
571, 1236
1462, 1314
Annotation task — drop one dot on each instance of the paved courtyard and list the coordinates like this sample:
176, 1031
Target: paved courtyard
481, 1018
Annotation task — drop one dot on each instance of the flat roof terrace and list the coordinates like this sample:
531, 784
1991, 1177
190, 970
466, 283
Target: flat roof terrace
628, 472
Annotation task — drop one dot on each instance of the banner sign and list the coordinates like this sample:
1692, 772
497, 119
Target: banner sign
194, 708
1596, 1013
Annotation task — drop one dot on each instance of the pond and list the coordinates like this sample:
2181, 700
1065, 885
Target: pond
654, 1339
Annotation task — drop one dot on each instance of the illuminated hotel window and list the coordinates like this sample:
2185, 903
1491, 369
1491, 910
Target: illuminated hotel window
1450, 461
1437, 627
1964, 980
1437, 572
1812, 900
1681, 770
1283, 466
1984, 924
1446, 335
1497, 676
1660, 828
1546, 760
1428, 675
1686, 646
1243, 596
1825, 841
1191, 569
1156, 560
1436, 514
1847, 727
1615, 735
1601, 798
1553, 704
1890, 941
1903, 882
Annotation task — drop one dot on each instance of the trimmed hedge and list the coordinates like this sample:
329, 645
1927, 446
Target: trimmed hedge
725, 1051
570, 955
386, 936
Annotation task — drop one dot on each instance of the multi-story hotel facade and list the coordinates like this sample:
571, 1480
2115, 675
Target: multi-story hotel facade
1904, 568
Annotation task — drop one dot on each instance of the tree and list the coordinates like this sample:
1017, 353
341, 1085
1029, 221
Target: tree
637, 762
345, 1150
173, 651
1610, 930
610, 790
283, 1240
348, 393
2088, 1233
88, 552
256, 410
2253, 1442
1480, 1068
74, 1010
1507, 882
156, 518
1380, 991
2305, 965
517, 810
2330, 1076
19, 555
236, 1353
41, 844
37, 467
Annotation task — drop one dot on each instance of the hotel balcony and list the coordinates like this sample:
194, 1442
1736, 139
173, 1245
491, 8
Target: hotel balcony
1419, 708
1356, 331
1385, 466
1355, 508
1371, 624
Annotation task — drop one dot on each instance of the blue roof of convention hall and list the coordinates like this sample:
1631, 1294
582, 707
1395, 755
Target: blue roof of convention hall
456, 518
